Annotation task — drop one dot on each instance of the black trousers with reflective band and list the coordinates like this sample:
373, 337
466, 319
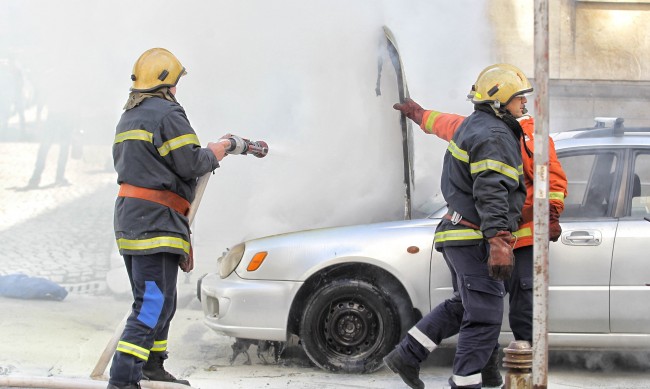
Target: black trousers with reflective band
475, 312
153, 283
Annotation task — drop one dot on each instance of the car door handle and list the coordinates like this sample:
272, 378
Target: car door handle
582, 238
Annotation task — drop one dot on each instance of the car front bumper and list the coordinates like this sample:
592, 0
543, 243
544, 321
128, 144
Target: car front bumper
251, 309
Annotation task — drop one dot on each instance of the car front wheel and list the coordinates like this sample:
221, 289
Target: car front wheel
349, 326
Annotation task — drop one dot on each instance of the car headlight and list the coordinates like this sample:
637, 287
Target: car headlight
229, 262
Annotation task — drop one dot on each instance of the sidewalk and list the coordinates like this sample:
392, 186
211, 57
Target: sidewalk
63, 233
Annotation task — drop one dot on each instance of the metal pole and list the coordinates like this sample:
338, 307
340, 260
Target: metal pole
540, 218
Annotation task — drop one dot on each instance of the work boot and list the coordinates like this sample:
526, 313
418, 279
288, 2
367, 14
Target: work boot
408, 373
130, 386
153, 370
490, 374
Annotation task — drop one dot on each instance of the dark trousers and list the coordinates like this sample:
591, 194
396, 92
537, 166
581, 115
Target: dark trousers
475, 312
520, 288
153, 282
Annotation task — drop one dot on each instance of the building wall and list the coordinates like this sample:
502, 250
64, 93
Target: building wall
599, 56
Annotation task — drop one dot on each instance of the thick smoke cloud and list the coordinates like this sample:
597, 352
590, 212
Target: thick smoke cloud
299, 75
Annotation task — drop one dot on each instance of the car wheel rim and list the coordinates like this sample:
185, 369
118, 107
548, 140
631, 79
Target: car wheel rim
351, 328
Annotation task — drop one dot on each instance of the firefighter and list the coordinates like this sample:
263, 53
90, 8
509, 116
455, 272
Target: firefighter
483, 184
158, 159
520, 285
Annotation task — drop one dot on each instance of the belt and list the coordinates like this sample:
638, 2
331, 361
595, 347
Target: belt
462, 222
164, 197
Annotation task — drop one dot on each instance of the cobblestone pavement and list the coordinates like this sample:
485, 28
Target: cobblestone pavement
60, 232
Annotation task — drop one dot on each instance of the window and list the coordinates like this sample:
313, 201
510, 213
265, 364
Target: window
641, 186
591, 184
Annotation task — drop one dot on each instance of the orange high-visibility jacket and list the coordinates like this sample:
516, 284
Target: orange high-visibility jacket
443, 125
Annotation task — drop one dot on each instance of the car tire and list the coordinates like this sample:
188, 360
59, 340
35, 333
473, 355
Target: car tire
349, 326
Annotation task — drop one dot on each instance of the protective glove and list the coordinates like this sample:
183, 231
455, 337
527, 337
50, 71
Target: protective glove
411, 110
187, 264
554, 229
501, 259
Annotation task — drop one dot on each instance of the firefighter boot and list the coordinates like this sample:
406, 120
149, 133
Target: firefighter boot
130, 386
408, 373
490, 374
153, 370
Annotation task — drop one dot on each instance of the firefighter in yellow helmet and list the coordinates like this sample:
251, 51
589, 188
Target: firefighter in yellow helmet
158, 158
483, 185
519, 285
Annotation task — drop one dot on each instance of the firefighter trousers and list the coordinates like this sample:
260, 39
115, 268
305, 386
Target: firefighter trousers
474, 312
520, 290
153, 283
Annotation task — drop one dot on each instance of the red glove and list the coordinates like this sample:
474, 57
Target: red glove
501, 260
554, 228
187, 264
411, 110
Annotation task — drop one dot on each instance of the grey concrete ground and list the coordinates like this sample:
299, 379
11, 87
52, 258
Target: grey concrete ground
64, 340
64, 233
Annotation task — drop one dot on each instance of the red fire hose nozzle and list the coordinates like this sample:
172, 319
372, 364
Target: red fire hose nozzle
239, 145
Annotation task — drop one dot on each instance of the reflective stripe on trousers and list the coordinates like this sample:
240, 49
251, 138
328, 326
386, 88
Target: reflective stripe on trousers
153, 283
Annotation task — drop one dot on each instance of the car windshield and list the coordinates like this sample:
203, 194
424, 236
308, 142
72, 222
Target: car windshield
432, 208
441, 210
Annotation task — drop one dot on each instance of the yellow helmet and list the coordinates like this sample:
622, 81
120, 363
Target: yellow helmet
498, 84
154, 69
470, 95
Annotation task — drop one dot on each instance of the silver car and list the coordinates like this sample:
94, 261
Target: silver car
351, 293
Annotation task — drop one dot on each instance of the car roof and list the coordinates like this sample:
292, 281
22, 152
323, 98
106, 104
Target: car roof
607, 131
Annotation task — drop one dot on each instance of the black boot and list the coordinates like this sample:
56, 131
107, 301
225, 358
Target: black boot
130, 386
490, 374
408, 373
153, 370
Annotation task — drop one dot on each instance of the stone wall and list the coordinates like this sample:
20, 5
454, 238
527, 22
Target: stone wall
599, 56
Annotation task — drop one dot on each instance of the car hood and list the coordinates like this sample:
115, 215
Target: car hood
295, 256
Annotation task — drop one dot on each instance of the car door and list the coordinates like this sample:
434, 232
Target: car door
630, 283
580, 262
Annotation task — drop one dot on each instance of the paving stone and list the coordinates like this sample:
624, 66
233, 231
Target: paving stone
63, 233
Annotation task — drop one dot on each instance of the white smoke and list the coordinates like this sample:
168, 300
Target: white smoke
299, 75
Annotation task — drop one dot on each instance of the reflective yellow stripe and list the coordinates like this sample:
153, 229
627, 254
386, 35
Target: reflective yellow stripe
152, 243
457, 152
130, 348
556, 196
430, 120
499, 167
134, 135
159, 345
173, 144
451, 235
523, 232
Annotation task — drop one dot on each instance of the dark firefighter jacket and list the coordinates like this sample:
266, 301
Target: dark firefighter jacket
482, 180
155, 147
444, 125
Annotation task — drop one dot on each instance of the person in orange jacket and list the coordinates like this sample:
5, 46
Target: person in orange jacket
520, 284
